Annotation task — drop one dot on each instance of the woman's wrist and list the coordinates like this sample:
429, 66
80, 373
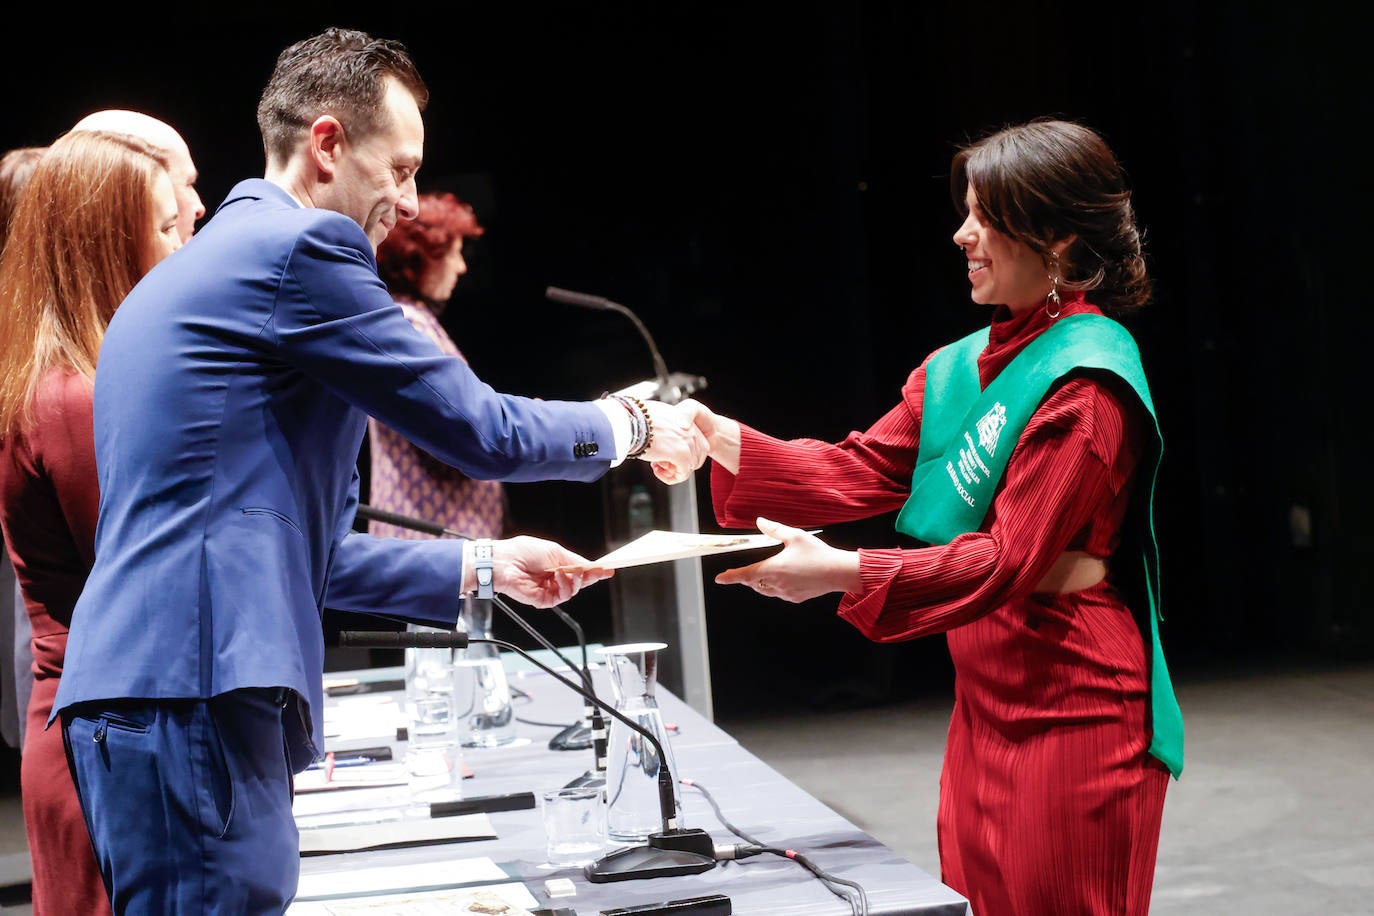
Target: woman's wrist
724, 442
847, 574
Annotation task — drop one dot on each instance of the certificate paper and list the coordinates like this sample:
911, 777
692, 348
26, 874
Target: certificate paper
661, 546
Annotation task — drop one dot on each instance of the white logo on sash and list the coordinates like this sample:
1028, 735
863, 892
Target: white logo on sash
990, 427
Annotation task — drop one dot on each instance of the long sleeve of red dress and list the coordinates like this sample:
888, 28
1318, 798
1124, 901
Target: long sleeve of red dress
1066, 487
49, 501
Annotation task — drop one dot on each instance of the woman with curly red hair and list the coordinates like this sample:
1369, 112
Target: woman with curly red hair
421, 261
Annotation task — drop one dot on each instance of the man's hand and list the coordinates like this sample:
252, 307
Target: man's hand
528, 569
806, 567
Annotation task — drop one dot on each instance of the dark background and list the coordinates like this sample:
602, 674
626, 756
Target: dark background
766, 186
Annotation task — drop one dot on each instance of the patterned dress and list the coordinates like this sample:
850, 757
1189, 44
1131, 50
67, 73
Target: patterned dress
1049, 801
406, 480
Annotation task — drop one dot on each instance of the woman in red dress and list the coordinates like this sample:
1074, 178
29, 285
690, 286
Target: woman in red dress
98, 212
1064, 729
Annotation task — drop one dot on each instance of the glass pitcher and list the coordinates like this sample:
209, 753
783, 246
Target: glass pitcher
632, 767
480, 689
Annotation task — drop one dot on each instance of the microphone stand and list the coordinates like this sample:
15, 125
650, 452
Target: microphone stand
595, 730
671, 387
671, 851
590, 731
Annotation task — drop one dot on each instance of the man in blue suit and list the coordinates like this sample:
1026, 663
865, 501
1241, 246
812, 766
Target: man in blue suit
231, 398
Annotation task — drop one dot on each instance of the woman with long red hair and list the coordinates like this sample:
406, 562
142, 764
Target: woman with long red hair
98, 213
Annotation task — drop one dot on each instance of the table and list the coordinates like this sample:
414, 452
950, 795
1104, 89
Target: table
752, 796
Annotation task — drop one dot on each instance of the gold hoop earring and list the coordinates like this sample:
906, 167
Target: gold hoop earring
1053, 304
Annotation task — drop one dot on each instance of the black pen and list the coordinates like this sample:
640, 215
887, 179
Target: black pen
356, 758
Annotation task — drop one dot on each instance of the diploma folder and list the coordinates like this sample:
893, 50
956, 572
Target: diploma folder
662, 546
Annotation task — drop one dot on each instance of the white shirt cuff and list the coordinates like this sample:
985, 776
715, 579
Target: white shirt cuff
620, 425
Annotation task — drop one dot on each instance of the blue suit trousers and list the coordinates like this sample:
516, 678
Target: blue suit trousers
188, 802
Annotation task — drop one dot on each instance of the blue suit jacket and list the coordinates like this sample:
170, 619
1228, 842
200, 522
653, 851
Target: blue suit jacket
231, 397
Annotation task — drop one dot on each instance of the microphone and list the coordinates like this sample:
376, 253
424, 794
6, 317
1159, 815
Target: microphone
666, 391
590, 731
671, 851
407, 521
579, 736
390, 639
593, 732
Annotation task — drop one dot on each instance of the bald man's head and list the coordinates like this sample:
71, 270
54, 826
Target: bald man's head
179, 164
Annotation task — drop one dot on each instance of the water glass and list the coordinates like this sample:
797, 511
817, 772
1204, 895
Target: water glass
575, 824
434, 756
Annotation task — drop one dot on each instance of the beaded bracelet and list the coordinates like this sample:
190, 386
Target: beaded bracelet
648, 429
641, 426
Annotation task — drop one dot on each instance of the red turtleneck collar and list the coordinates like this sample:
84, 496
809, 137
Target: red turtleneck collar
1010, 333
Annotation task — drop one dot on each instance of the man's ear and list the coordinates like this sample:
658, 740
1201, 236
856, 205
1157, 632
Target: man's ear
327, 142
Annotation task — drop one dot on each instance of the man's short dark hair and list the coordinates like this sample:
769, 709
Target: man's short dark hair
339, 72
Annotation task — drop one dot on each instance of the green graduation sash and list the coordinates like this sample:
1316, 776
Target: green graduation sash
968, 433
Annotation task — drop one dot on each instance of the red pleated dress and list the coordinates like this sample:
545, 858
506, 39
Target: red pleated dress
1050, 804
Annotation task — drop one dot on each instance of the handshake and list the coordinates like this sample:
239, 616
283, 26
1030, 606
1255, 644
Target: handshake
683, 436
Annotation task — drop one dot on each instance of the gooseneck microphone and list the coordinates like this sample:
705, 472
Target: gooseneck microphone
671, 851
666, 390
407, 521
591, 731
390, 639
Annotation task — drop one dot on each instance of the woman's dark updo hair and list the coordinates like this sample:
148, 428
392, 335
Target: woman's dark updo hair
1044, 180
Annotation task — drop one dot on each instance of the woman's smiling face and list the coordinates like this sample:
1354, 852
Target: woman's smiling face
1001, 270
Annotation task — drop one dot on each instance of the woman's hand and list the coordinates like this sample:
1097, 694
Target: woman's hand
806, 567
721, 432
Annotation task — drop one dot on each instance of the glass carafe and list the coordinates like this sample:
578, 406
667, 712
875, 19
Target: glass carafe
632, 766
480, 688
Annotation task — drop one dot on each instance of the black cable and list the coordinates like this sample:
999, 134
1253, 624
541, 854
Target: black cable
517, 693
859, 908
828, 879
542, 724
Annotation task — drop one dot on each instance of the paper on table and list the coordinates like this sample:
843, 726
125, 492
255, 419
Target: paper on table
351, 881
386, 773
366, 716
314, 809
660, 546
411, 831
515, 898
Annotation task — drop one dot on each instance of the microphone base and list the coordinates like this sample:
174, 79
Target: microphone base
576, 737
590, 779
677, 852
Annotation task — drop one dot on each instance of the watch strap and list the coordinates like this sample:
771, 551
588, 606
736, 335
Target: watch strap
482, 566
